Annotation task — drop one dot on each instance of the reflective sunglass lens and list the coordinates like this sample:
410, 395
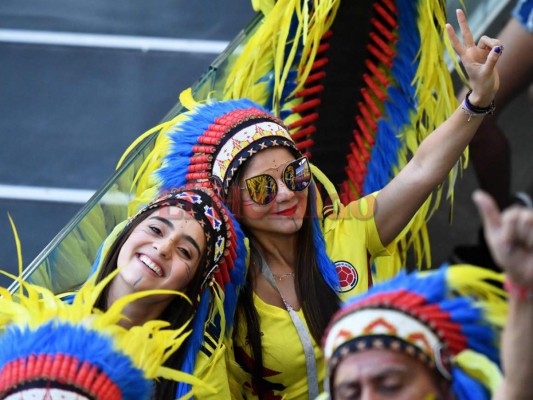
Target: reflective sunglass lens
262, 188
297, 175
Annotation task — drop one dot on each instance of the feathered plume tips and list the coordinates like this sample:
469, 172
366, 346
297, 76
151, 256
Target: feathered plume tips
407, 93
407, 90
277, 60
78, 348
282, 65
456, 312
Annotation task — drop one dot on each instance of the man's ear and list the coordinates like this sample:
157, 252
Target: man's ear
445, 390
444, 387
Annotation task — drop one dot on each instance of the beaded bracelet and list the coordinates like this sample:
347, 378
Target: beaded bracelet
518, 292
475, 111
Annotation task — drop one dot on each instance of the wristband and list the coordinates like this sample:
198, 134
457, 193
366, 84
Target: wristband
518, 292
475, 111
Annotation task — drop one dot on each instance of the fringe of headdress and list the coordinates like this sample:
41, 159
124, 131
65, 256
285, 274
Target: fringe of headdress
36, 321
465, 305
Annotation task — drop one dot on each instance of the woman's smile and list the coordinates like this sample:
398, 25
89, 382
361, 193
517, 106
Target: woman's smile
152, 265
287, 212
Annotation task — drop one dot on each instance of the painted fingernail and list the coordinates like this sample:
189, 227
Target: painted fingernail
498, 49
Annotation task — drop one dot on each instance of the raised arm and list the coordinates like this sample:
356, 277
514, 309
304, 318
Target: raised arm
402, 197
509, 236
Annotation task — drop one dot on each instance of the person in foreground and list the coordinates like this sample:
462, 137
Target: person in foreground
183, 240
51, 349
307, 251
435, 335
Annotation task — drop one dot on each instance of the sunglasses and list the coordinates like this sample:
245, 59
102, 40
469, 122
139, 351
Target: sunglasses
263, 188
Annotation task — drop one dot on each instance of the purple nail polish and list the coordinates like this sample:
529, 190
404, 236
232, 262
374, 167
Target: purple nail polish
498, 49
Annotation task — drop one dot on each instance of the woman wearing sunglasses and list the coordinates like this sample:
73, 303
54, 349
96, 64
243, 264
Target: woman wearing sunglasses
307, 251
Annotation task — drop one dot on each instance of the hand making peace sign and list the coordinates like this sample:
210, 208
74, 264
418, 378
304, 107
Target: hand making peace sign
478, 60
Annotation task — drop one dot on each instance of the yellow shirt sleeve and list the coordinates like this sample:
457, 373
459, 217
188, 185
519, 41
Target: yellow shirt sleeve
352, 243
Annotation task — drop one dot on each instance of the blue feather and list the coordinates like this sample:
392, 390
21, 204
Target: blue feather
400, 103
194, 342
326, 266
467, 388
237, 275
383, 158
77, 341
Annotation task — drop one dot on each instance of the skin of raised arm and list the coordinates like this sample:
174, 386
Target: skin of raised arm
509, 236
398, 201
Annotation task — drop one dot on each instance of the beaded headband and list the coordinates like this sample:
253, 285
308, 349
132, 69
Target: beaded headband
382, 328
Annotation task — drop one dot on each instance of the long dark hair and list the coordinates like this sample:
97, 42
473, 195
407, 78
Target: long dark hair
319, 302
177, 313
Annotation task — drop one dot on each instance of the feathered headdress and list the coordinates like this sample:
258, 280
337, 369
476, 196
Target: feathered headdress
214, 139
364, 81
225, 269
50, 348
360, 81
449, 319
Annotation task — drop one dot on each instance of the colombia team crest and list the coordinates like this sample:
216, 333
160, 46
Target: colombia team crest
348, 276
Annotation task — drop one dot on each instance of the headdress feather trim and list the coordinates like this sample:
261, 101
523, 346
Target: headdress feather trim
456, 312
38, 326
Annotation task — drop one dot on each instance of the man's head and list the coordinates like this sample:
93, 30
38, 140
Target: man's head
386, 374
418, 336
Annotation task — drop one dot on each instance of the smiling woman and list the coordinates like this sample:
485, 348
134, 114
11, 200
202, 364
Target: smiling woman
183, 240
164, 250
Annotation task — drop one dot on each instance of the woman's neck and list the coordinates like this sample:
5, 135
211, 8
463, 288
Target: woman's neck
278, 251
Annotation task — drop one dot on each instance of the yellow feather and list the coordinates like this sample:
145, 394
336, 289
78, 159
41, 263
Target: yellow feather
471, 280
265, 51
480, 368
17, 243
187, 99
264, 6
148, 345
329, 187
139, 140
